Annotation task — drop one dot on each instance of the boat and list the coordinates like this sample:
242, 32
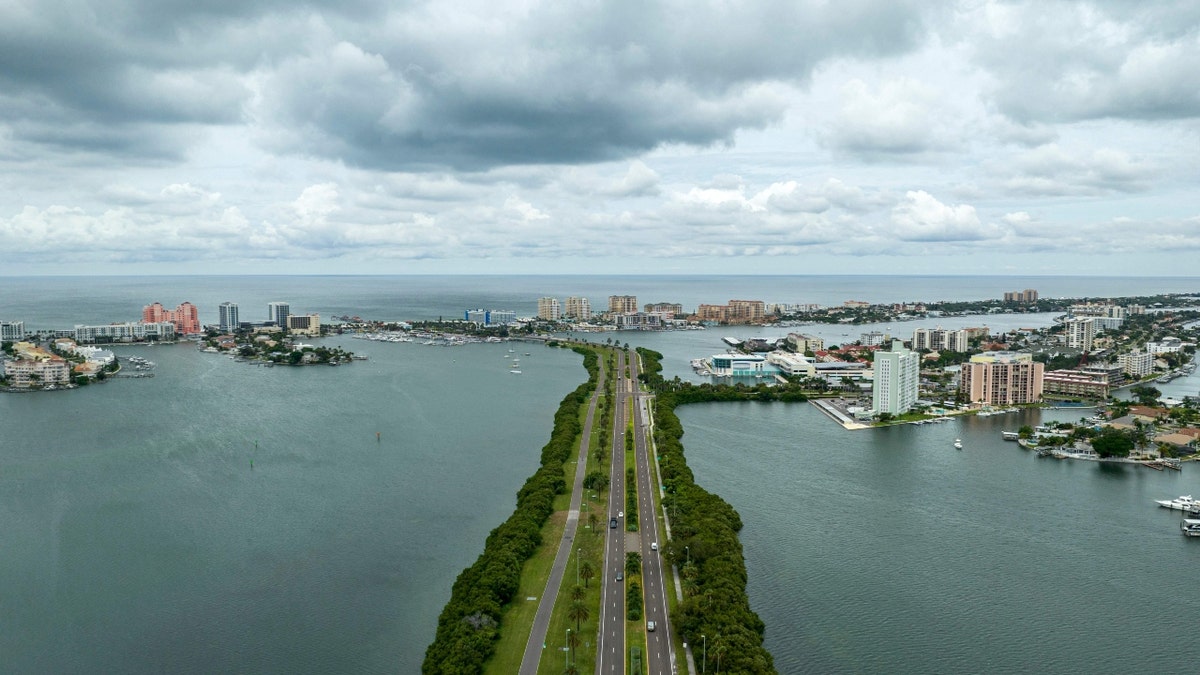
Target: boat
1190, 527
958, 444
1184, 503
515, 372
1010, 435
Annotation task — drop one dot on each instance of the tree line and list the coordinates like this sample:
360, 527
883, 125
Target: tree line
469, 625
704, 530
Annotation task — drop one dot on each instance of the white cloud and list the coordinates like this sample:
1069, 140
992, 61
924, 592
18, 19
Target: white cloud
902, 116
921, 217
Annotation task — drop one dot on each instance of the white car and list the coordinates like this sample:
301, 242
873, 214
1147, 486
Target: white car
620, 514
654, 546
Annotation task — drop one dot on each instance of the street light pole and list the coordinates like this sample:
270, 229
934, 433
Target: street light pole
567, 652
578, 551
688, 550
704, 662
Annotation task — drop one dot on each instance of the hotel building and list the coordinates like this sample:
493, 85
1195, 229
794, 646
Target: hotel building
1002, 378
12, 331
1026, 296
304, 324
897, 379
622, 304
134, 331
671, 309
577, 308
185, 316
549, 309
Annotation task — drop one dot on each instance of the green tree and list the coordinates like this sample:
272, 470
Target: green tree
586, 571
1025, 431
1146, 395
1112, 443
578, 612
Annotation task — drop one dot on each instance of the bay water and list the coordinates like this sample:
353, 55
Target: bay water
227, 517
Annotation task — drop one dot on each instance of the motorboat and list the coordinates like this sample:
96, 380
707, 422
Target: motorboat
1184, 503
958, 444
1190, 527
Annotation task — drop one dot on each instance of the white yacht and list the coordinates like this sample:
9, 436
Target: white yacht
1190, 527
958, 444
1184, 503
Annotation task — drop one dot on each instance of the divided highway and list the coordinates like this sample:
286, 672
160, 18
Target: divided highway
610, 648
660, 656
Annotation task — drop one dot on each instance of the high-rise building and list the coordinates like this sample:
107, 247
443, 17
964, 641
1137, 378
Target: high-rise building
12, 331
277, 313
304, 324
897, 379
549, 309
938, 339
228, 312
577, 308
185, 316
1136, 363
622, 304
746, 311
1080, 333
1002, 378
501, 317
673, 309
800, 342
1027, 296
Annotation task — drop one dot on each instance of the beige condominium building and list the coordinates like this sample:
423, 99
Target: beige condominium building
1002, 378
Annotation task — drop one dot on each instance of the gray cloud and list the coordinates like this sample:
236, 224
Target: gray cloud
424, 84
1089, 60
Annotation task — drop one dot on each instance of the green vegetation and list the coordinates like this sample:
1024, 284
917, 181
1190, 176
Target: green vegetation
715, 600
1113, 443
469, 625
633, 600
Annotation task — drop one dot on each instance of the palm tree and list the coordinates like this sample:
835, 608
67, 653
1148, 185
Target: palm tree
572, 642
586, 571
578, 612
577, 593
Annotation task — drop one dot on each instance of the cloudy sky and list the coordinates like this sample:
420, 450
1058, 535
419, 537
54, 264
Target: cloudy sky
802, 136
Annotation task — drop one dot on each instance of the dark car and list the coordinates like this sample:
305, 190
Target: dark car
612, 522
620, 576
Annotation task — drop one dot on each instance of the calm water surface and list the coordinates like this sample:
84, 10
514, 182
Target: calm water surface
135, 536
889, 551
224, 517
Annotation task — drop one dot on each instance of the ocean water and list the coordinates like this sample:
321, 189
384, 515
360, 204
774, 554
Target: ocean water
223, 517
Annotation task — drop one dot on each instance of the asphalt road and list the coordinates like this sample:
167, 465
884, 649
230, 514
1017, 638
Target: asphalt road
610, 648
660, 656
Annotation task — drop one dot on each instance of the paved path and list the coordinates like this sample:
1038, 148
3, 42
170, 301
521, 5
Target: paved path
541, 621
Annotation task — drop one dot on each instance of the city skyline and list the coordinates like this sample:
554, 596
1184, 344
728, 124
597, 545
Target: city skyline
886, 137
